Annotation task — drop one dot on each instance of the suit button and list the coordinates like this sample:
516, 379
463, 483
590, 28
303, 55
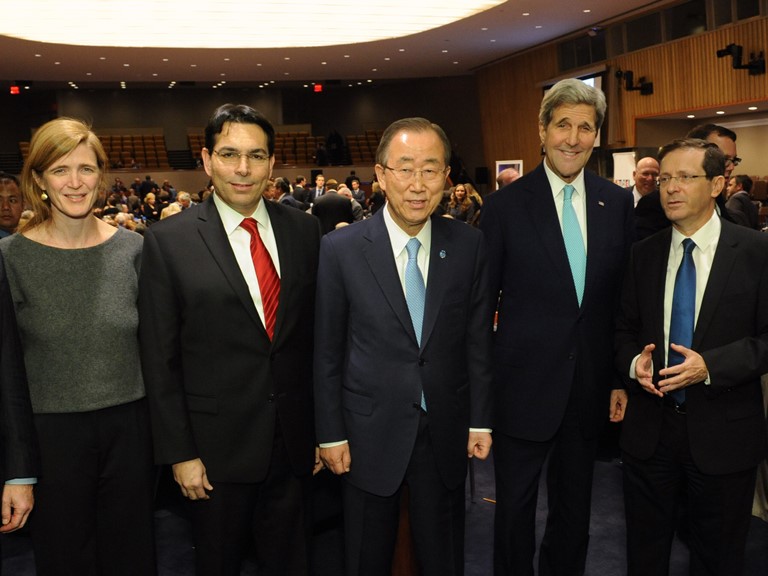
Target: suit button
421, 362
272, 397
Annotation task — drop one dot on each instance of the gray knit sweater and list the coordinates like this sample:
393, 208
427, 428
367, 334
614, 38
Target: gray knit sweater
78, 321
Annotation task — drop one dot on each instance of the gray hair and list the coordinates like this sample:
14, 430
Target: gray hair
572, 91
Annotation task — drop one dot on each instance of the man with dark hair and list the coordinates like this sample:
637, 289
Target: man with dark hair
740, 205
692, 336
301, 192
402, 360
725, 139
558, 240
332, 208
226, 303
11, 204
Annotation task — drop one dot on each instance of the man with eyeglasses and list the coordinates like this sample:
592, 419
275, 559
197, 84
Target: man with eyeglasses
558, 242
402, 360
692, 336
226, 304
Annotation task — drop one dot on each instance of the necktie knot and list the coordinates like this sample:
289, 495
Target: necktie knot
413, 248
688, 246
568, 191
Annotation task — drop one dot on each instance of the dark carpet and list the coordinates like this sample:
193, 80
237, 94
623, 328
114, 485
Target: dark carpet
606, 553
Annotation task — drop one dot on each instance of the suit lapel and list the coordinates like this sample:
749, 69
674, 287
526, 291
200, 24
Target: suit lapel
543, 213
438, 279
725, 256
654, 282
378, 255
212, 232
598, 214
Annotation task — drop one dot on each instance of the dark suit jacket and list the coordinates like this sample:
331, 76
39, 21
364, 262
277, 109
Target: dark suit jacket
369, 368
303, 196
332, 208
743, 211
650, 216
215, 382
726, 423
19, 456
289, 200
313, 193
546, 346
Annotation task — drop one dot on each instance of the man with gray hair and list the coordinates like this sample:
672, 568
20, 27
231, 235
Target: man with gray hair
558, 243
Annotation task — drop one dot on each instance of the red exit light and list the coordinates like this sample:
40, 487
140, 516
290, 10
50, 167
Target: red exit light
318, 88
15, 90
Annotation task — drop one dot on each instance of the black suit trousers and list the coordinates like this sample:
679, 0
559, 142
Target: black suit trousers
718, 508
436, 516
271, 514
518, 464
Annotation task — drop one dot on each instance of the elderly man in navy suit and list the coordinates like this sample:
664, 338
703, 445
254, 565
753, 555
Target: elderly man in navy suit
557, 248
402, 360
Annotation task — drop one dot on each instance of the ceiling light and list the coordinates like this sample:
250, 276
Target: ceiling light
228, 23
752, 108
691, 116
720, 112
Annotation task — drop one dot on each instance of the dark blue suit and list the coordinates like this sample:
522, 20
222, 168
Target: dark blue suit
553, 367
370, 371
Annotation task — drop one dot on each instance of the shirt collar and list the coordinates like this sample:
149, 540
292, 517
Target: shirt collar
398, 237
557, 184
703, 237
231, 218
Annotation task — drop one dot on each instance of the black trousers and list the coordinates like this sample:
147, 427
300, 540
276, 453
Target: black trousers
518, 465
718, 508
271, 514
93, 512
436, 516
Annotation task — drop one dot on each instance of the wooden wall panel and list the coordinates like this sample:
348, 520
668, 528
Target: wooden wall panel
687, 75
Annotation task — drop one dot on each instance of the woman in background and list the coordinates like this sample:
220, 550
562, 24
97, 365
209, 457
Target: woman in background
460, 206
74, 281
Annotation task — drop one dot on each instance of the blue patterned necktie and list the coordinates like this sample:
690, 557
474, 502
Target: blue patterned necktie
683, 318
574, 242
415, 293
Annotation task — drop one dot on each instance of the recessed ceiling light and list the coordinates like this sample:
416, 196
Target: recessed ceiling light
752, 108
226, 59
126, 65
538, 27
38, 55
374, 69
346, 55
223, 74
691, 116
193, 65
493, 40
165, 59
324, 63
89, 74
720, 112
287, 58
526, 13
484, 28
57, 63
445, 51
586, 10
455, 61
154, 73
387, 58
102, 58
369, 81
401, 50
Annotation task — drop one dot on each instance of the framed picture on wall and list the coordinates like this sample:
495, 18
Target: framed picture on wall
504, 164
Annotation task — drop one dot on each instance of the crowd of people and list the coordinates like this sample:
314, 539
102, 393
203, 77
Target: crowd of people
269, 333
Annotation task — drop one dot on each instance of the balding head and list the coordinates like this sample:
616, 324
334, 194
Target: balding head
507, 176
645, 174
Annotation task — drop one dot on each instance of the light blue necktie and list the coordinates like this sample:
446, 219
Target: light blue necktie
683, 318
574, 242
415, 293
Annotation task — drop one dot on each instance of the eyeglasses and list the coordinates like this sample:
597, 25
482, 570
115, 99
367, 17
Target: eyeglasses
232, 158
735, 160
409, 174
684, 180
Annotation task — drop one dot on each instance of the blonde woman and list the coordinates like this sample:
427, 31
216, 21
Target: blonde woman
67, 269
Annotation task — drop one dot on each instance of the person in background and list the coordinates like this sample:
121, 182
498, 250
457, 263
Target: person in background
507, 176
66, 269
11, 204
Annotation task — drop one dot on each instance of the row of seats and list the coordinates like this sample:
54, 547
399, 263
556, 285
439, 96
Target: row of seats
296, 148
129, 150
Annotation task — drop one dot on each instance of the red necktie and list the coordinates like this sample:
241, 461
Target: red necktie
269, 282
